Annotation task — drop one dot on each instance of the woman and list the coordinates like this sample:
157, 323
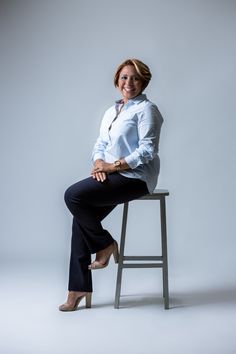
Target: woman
126, 167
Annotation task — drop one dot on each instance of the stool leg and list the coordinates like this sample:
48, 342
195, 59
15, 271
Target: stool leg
121, 261
164, 252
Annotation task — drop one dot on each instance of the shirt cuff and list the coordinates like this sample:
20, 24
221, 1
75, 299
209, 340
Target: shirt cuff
98, 156
132, 160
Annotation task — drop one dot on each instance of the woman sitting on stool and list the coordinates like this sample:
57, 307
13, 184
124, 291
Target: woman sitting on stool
126, 167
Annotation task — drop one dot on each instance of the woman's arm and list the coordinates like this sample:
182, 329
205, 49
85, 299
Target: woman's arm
149, 127
98, 153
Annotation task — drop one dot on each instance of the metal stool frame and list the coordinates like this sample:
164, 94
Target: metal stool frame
162, 262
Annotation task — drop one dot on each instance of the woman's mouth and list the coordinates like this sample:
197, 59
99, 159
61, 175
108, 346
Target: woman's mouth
129, 89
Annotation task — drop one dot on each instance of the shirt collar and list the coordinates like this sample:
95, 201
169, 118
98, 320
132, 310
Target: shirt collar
136, 100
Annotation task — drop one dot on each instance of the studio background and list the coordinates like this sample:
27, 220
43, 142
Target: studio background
57, 62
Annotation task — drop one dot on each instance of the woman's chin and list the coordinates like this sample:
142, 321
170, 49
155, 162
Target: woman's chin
128, 96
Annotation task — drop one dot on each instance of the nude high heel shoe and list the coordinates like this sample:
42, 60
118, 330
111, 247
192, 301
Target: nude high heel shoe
72, 303
115, 252
98, 265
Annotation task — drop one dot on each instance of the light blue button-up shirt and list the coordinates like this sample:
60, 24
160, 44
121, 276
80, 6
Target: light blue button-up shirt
133, 135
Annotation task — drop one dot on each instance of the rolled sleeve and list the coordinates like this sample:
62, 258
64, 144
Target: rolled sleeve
99, 149
100, 145
149, 127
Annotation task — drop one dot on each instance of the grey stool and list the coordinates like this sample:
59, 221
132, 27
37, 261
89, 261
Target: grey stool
158, 194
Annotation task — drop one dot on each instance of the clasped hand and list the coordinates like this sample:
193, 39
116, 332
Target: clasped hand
101, 169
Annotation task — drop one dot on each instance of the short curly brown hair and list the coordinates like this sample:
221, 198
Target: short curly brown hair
141, 68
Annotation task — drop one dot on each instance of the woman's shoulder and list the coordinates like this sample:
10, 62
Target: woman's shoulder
150, 108
149, 104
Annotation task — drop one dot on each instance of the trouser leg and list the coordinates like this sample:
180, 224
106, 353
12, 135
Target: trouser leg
80, 277
86, 197
90, 201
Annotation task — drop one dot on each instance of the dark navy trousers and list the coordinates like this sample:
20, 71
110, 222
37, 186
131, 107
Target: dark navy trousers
90, 201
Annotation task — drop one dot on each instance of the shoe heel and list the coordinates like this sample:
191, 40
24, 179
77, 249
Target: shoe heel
116, 252
88, 300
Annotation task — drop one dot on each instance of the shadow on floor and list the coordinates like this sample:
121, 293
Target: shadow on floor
204, 297
200, 297
135, 300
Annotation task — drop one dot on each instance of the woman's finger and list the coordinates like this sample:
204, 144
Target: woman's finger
104, 176
100, 176
96, 169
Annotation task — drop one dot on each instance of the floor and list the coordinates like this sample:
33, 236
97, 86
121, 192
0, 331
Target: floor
201, 320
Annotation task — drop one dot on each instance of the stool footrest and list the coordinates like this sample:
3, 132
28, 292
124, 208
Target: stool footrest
142, 265
142, 258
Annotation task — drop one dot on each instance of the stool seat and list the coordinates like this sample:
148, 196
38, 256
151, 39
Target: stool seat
157, 194
160, 260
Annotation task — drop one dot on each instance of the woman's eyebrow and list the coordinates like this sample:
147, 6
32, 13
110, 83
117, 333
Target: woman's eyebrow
129, 75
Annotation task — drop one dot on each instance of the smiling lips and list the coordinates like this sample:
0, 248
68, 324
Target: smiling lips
129, 89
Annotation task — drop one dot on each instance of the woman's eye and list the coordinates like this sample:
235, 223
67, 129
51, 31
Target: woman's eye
135, 78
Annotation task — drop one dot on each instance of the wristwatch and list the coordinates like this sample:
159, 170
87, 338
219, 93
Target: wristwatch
117, 165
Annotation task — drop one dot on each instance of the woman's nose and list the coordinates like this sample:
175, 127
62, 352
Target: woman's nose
130, 81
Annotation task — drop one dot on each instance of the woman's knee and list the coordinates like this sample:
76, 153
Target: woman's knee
69, 195
77, 192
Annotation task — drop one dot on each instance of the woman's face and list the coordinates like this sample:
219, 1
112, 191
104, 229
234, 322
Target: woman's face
129, 83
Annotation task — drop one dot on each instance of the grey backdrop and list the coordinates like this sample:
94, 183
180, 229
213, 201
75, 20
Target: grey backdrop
57, 64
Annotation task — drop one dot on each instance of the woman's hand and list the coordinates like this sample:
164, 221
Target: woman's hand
99, 176
101, 169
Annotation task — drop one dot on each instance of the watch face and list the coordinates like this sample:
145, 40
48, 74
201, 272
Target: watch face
117, 163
